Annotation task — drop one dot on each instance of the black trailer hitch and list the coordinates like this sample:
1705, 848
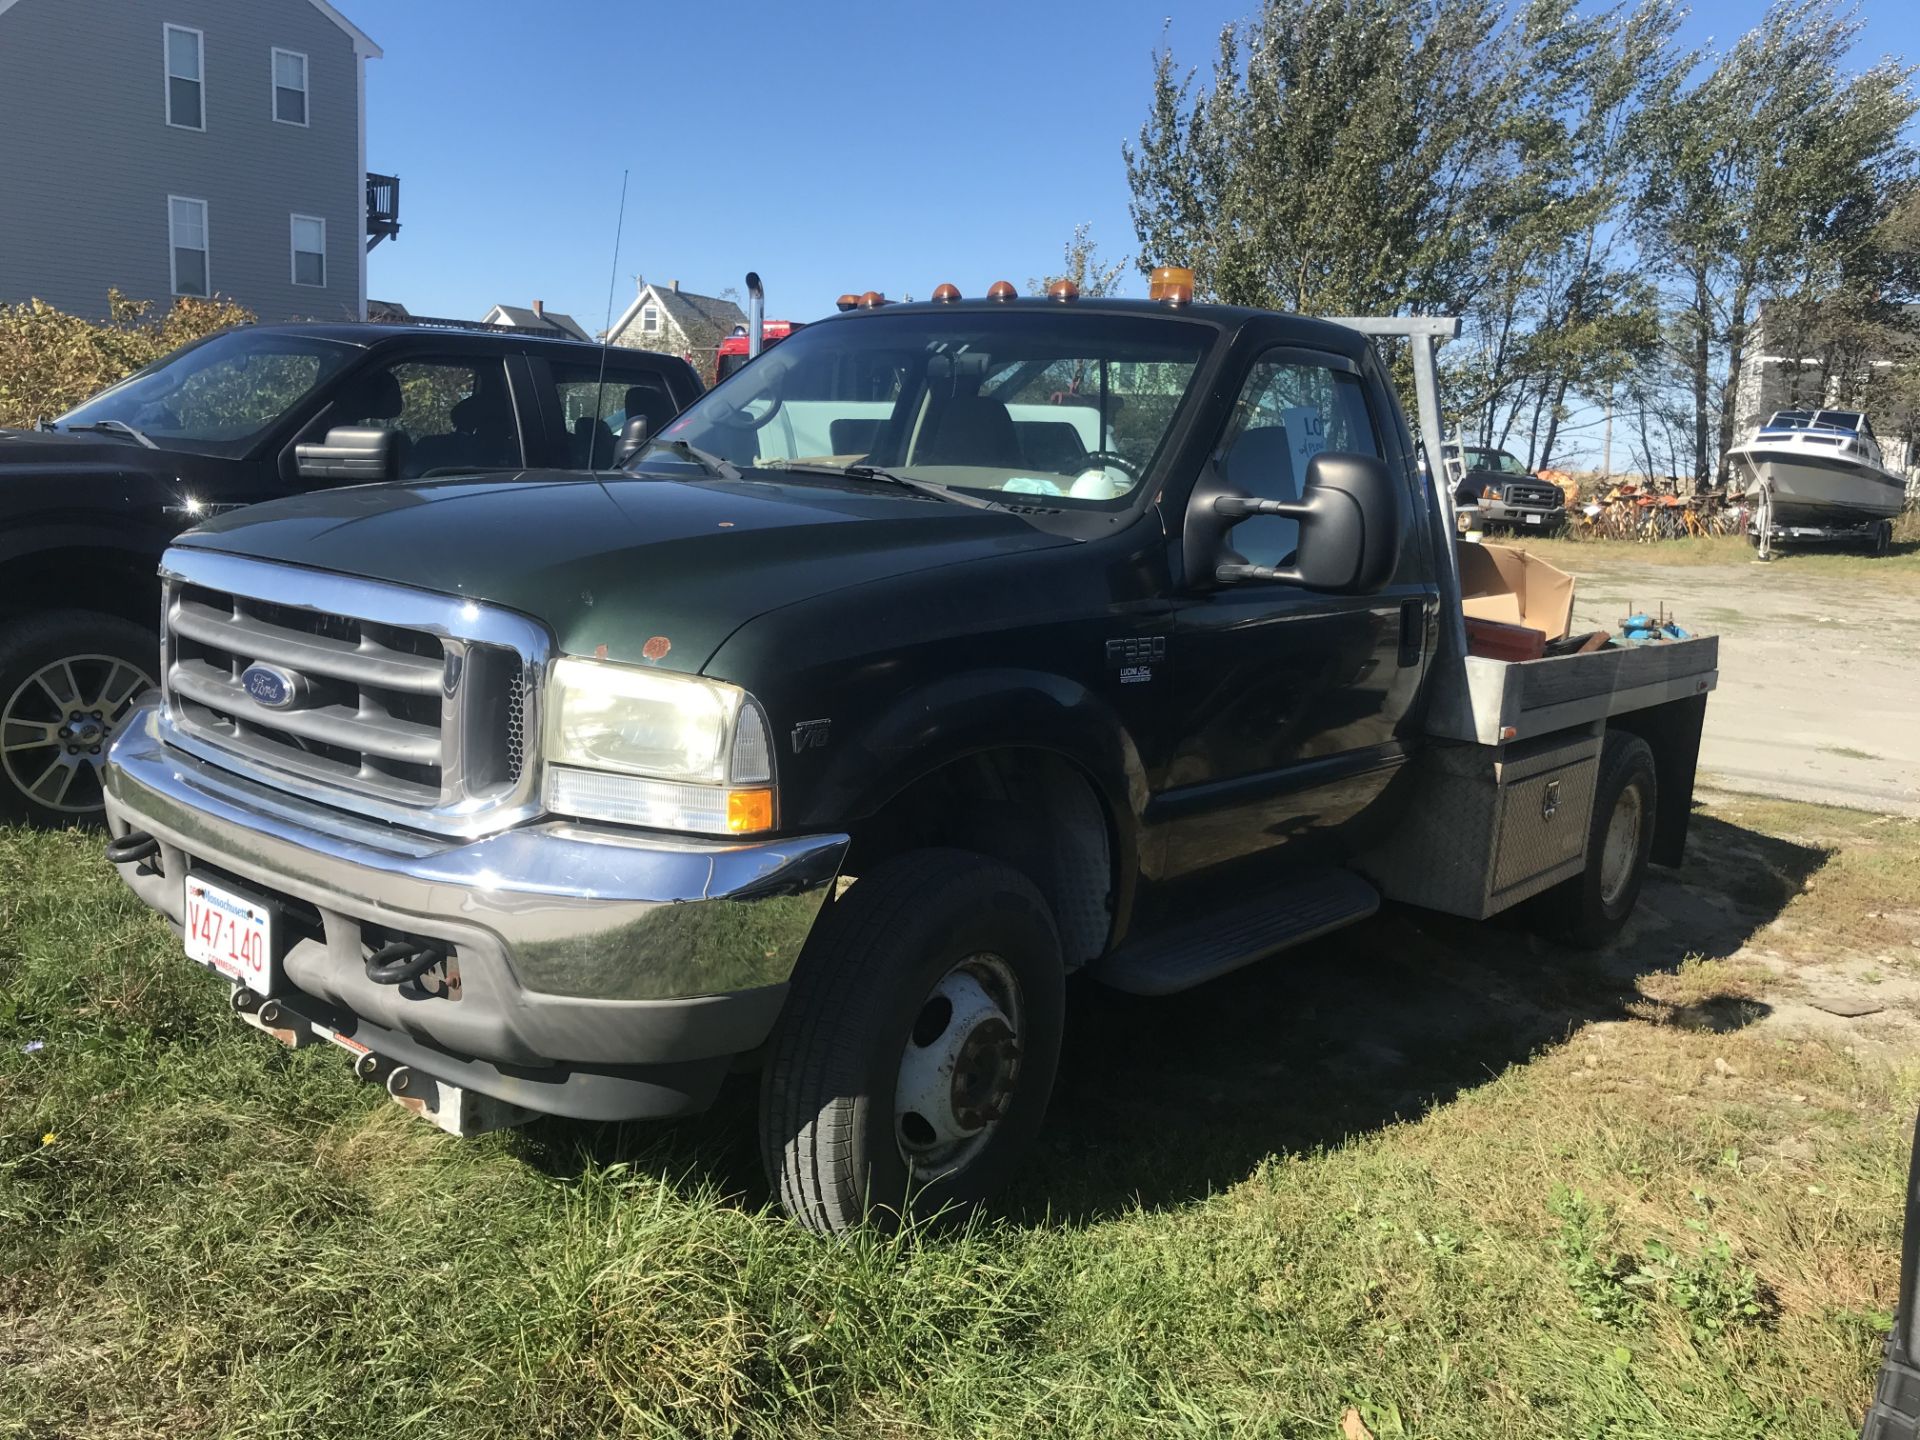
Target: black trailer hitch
132, 846
399, 961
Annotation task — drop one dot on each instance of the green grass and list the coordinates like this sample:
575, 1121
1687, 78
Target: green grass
1432, 1172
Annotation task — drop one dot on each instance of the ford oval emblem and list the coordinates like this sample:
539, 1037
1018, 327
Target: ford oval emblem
270, 686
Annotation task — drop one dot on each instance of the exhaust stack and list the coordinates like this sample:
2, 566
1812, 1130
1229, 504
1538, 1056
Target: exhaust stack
756, 314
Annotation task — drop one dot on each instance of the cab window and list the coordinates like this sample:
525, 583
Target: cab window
448, 416
1289, 411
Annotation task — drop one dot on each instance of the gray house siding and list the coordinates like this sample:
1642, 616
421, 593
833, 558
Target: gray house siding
91, 159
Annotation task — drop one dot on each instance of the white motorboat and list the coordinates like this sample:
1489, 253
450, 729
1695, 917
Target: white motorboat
1817, 470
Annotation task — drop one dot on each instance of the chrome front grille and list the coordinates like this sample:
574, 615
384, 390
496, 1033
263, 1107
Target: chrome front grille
404, 705
1522, 494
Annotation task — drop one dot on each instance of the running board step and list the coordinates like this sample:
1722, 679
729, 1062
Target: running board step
1313, 903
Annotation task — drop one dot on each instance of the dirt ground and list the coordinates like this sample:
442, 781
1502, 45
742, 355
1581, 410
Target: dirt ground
1819, 671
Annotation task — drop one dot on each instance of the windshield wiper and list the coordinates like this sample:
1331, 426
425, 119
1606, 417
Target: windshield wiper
114, 427
712, 464
886, 477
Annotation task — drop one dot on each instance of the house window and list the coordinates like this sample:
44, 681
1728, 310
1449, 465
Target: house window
186, 72
650, 320
289, 87
309, 250
187, 240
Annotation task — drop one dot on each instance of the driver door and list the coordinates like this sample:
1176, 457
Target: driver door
1290, 708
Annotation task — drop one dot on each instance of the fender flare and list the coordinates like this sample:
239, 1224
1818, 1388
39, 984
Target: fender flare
141, 544
955, 716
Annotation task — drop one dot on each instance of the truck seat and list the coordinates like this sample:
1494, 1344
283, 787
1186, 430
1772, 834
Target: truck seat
1051, 445
853, 436
971, 430
472, 442
1260, 462
592, 444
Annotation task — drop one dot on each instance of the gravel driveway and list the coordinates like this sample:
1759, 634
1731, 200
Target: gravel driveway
1819, 694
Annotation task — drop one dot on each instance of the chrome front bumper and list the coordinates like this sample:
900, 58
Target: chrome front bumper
1527, 517
575, 943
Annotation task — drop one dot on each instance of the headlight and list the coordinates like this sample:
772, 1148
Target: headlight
1489, 492
649, 747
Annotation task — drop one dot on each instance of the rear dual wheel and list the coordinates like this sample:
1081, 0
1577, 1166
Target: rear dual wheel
918, 1046
1589, 910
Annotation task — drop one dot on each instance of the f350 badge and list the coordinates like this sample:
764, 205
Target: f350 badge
1134, 656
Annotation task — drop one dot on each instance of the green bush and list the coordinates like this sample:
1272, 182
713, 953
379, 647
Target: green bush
50, 361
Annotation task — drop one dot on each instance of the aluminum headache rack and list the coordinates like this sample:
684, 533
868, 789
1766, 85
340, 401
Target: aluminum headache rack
1422, 334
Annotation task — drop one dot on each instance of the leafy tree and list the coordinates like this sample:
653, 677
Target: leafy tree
1562, 313
1347, 156
1093, 276
1764, 177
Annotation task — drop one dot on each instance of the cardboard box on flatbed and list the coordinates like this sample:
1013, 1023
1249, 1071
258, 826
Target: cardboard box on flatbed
1511, 587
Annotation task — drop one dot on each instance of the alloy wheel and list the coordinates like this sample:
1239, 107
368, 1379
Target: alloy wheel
57, 724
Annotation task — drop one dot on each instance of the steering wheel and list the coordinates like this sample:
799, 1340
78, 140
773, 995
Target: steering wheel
1102, 459
743, 418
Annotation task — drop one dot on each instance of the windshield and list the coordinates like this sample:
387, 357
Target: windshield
1072, 406
1498, 460
217, 396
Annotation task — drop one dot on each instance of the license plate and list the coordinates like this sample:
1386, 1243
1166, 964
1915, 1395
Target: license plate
1533, 519
232, 933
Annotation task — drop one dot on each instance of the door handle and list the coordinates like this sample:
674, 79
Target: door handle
1413, 631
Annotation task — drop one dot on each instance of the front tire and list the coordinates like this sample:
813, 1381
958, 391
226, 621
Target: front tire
917, 1050
67, 682
1589, 910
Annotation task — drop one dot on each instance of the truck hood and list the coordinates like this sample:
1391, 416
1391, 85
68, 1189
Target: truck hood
42, 451
611, 564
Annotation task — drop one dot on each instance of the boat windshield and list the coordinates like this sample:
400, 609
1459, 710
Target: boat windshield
1847, 421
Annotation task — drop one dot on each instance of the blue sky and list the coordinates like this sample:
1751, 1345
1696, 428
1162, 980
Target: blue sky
834, 145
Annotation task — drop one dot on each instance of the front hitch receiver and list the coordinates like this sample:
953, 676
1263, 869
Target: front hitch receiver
399, 961
135, 845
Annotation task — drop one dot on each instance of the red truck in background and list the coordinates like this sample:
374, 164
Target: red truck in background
736, 349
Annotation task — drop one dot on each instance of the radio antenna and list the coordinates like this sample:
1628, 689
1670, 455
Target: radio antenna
606, 333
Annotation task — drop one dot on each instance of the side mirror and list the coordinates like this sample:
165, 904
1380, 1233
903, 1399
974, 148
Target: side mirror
352, 452
1352, 518
632, 437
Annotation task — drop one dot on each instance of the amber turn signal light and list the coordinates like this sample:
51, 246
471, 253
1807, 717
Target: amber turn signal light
1171, 283
749, 811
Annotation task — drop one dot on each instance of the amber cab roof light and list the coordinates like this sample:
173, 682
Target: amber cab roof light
1172, 284
1002, 290
847, 302
944, 293
872, 300
1063, 289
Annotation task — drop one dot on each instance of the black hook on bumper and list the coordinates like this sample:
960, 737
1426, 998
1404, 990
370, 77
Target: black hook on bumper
132, 846
399, 961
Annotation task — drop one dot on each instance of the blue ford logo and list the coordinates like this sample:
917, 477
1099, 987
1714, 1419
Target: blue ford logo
270, 686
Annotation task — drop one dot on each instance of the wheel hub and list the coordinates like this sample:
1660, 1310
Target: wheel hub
960, 1066
1621, 848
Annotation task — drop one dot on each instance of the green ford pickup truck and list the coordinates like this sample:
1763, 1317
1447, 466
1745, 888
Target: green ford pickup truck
944, 652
